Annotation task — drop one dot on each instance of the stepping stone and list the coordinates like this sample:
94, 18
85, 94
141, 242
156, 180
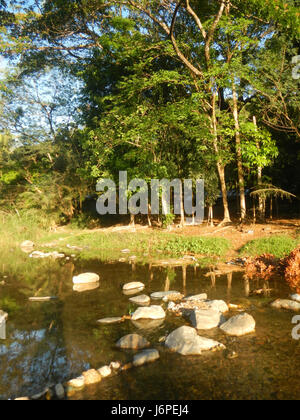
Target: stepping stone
133, 341
133, 286
80, 288
239, 325
187, 342
290, 305
161, 295
91, 377
146, 356
141, 300
86, 278
105, 371
148, 324
202, 296
152, 312
206, 319
112, 320
77, 383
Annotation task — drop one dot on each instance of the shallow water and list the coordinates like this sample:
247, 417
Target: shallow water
52, 342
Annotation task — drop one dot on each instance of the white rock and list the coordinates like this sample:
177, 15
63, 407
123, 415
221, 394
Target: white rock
80, 288
146, 356
296, 298
133, 341
148, 324
206, 319
125, 251
286, 304
105, 371
3, 316
115, 365
133, 286
202, 296
112, 320
141, 300
77, 382
186, 341
152, 312
239, 325
86, 278
27, 246
161, 295
218, 305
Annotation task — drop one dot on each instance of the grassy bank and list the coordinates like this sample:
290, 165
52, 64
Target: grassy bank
279, 246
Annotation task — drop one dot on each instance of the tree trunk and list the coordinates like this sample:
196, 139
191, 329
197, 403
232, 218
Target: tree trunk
220, 166
239, 153
259, 182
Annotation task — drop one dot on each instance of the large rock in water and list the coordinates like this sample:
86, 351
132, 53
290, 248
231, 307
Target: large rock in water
186, 341
152, 312
290, 305
133, 341
146, 356
206, 319
196, 298
86, 278
239, 325
218, 305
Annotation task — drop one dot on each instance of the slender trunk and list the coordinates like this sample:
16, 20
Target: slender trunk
259, 181
220, 166
239, 153
182, 216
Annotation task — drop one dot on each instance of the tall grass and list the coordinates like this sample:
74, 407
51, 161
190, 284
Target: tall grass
279, 246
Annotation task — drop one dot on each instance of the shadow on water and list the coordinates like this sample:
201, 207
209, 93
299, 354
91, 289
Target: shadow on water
52, 342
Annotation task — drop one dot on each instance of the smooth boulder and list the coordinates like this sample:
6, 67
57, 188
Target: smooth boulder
86, 278
218, 305
206, 319
81, 288
187, 342
140, 300
290, 305
133, 341
239, 325
146, 356
152, 312
133, 286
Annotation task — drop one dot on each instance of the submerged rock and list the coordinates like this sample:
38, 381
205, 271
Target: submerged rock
91, 377
186, 341
296, 298
206, 319
161, 295
59, 391
146, 356
290, 305
239, 325
152, 312
133, 341
112, 320
86, 278
141, 300
133, 286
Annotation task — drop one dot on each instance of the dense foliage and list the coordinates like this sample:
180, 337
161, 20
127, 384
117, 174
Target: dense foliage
160, 88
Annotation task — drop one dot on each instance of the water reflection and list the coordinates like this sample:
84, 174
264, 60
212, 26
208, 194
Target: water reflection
51, 342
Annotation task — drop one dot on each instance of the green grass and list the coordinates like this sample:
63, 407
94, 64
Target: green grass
279, 246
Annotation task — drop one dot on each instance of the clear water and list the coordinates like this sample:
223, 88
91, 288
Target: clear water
52, 342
